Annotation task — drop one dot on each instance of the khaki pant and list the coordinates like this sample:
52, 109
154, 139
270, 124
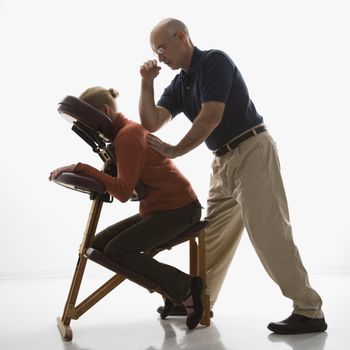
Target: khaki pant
246, 190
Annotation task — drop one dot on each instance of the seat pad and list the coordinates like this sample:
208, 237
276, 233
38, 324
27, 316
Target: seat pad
185, 236
102, 259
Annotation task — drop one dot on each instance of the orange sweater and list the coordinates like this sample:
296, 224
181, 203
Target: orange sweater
167, 188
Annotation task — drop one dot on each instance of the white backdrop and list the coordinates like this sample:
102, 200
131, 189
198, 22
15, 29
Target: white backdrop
294, 56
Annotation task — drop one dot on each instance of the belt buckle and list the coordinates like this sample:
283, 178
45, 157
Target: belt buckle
223, 150
228, 147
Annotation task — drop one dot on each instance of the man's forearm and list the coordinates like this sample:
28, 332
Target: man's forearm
204, 124
147, 108
201, 128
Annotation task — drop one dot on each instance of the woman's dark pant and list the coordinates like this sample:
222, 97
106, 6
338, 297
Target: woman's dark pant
125, 241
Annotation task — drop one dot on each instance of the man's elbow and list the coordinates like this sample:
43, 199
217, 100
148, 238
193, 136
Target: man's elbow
150, 128
215, 122
149, 125
213, 113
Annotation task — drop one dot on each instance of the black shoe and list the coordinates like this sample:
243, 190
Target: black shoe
175, 310
170, 309
297, 324
197, 307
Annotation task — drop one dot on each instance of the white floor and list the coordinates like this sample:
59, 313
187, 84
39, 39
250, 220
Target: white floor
126, 318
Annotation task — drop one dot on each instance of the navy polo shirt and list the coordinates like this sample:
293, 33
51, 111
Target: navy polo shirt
212, 76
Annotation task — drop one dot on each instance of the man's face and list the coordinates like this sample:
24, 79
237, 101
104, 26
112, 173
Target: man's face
167, 47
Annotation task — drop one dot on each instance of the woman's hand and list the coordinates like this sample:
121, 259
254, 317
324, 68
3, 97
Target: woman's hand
55, 173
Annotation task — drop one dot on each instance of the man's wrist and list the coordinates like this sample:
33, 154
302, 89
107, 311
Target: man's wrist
177, 151
147, 83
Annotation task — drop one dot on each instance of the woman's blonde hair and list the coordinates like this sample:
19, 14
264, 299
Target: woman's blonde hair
98, 96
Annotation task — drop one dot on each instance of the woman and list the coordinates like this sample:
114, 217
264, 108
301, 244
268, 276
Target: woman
170, 207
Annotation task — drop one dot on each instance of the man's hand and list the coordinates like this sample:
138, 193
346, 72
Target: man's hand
161, 147
65, 169
149, 70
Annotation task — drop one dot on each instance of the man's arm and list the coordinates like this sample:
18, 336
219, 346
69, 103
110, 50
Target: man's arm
152, 117
207, 120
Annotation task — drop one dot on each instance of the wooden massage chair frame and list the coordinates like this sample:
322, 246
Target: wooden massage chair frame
97, 130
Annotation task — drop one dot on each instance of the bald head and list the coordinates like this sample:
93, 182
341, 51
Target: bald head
170, 26
171, 41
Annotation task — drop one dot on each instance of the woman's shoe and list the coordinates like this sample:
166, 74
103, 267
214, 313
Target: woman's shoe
168, 305
175, 310
194, 317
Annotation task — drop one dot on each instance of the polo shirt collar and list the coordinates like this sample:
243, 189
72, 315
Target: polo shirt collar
194, 62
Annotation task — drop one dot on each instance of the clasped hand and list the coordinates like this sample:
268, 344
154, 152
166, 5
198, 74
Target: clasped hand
149, 70
65, 169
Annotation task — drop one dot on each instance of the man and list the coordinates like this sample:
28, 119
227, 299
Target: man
246, 188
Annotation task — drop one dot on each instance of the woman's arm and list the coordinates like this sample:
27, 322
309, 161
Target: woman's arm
131, 158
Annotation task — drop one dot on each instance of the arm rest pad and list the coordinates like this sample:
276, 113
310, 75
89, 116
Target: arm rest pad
80, 183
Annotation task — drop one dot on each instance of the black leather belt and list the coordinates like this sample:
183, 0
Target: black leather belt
235, 142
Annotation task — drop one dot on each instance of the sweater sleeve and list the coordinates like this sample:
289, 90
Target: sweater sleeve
131, 157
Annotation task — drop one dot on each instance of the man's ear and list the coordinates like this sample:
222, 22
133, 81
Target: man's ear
182, 36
